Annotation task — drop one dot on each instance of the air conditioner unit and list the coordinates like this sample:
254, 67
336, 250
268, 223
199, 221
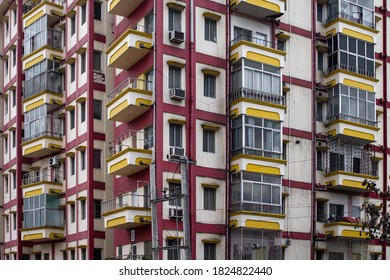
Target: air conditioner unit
176, 37
175, 213
176, 152
321, 145
53, 161
177, 94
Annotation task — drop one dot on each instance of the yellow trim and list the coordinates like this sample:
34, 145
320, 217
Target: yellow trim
173, 181
283, 36
33, 193
262, 169
359, 134
353, 184
234, 112
262, 224
118, 52
81, 99
211, 241
259, 3
177, 121
81, 198
354, 233
171, 237
141, 101
364, 176
233, 223
263, 59
71, 13
143, 161
234, 57
331, 32
33, 19
81, 246
119, 165
263, 114
70, 108
359, 85
335, 72
34, 105
34, 61
268, 104
146, 45
81, 50
81, 148
212, 16
176, 64
358, 35
33, 149
211, 127
234, 168
210, 72
120, 107
210, 186
32, 236
116, 222
137, 219
175, 6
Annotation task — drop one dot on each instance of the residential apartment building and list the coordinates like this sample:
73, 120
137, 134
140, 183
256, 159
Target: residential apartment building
174, 129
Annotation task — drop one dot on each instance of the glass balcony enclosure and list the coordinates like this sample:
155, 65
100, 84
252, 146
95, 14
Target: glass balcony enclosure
351, 104
43, 76
256, 192
359, 11
31, 4
42, 211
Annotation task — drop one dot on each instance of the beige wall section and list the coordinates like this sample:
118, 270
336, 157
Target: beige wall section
298, 113
298, 13
299, 160
298, 207
298, 59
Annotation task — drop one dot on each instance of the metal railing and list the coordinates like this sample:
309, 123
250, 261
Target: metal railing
338, 219
98, 76
133, 83
131, 257
45, 175
351, 18
257, 96
351, 69
255, 207
255, 152
31, 4
344, 117
134, 27
255, 40
132, 139
126, 200
46, 37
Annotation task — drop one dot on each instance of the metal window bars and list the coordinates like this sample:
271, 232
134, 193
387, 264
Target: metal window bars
131, 139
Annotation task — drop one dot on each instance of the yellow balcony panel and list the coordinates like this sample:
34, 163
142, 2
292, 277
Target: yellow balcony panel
39, 234
41, 145
129, 100
40, 54
35, 9
352, 128
129, 161
243, 161
123, 7
250, 219
129, 48
344, 227
38, 98
347, 181
261, 9
127, 211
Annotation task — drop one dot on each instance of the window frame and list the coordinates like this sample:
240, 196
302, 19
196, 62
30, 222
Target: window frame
210, 30
210, 199
209, 141
209, 85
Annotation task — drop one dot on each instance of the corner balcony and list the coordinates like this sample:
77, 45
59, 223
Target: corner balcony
129, 47
123, 7
344, 227
34, 9
127, 211
261, 9
45, 181
47, 141
129, 100
129, 153
352, 128
257, 49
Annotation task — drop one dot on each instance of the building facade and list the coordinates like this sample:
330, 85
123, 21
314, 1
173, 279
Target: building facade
193, 129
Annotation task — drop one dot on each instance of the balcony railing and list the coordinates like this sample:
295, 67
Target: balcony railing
131, 257
99, 77
135, 27
43, 217
338, 219
257, 96
45, 175
255, 40
132, 139
255, 207
43, 126
351, 18
351, 119
255, 152
50, 80
349, 68
130, 83
46, 37
126, 200
31, 4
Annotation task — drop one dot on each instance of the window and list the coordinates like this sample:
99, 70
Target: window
320, 160
321, 211
5, 105
319, 255
320, 113
72, 72
83, 209
97, 159
38, 256
13, 98
208, 141
72, 214
356, 213
82, 160
14, 16
97, 60
72, 165
46, 256
6, 224
210, 31
83, 13
174, 77
83, 252
209, 85
97, 109
6, 67
173, 253
148, 136
320, 62
82, 112
83, 62
42, 211
72, 119
6, 184
149, 80
72, 254
149, 22
97, 208
6, 27
209, 199
175, 191
6, 145
336, 212
97, 253
174, 20
97, 10
336, 255
281, 45
319, 13
14, 221
13, 133
336, 161
210, 251
14, 58
175, 135
72, 25
361, 11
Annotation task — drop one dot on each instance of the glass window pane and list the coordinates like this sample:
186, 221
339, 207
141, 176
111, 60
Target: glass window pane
266, 191
257, 193
247, 191
275, 194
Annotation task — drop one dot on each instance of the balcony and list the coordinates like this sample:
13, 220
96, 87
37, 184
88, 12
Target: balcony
261, 9
343, 67
344, 227
43, 137
123, 7
45, 181
248, 219
127, 211
256, 49
257, 96
31, 5
129, 153
129, 47
129, 100
353, 19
